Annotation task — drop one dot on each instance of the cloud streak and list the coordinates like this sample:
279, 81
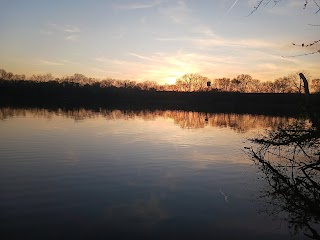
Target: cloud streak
178, 13
72, 37
64, 28
140, 56
136, 5
51, 63
68, 32
71, 29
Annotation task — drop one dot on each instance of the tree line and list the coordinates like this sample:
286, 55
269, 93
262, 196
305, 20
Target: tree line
191, 82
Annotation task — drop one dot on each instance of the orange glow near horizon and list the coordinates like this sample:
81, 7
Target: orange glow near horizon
170, 80
173, 76
158, 42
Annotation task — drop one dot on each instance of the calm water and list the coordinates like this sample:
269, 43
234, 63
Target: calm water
111, 174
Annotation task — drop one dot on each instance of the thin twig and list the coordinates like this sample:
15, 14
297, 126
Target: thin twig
300, 55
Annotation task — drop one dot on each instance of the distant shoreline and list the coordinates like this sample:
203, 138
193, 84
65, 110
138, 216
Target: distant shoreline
46, 96
280, 105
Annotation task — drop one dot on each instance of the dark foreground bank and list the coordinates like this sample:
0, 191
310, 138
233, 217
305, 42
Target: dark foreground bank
71, 95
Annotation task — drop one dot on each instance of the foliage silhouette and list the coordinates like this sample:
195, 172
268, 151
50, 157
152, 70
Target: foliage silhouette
190, 82
224, 95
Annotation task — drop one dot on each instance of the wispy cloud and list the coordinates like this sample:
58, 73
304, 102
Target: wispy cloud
136, 5
140, 56
62, 62
71, 29
203, 30
216, 41
51, 63
68, 32
177, 12
104, 71
105, 60
72, 37
64, 28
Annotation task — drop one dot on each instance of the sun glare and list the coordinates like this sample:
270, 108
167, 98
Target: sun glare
170, 80
173, 76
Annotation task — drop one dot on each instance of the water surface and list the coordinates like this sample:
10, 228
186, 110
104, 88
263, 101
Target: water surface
108, 174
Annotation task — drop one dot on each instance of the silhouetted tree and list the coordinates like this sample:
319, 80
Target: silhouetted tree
192, 82
268, 87
77, 77
6, 75
235, 85
2, 74
315, 85
148, 85
244, 81
42, 77
19, 77
283, 85
222, 84
108, 82
10, 76
254, 86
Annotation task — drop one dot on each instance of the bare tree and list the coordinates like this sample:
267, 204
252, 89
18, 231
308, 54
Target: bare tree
244, 81
42, 77
315, 85
240, 83
148, 85
304, 3
283, 85
192, 82
107, 82
267, 87
222, 84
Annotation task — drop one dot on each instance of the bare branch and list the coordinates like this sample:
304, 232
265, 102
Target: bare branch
301, 55
317, 4
275, 2
306, 45
266, 2
255, 8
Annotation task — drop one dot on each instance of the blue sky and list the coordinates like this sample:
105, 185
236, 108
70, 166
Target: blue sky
157, 40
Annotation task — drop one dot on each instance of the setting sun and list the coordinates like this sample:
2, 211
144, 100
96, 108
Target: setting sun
170, 80
173, 76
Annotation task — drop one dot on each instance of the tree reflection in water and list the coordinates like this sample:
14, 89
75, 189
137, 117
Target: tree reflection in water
289, 159
185, 119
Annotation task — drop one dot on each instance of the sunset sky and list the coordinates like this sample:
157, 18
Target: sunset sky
157, 40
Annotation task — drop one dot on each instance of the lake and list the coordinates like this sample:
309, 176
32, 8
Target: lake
111, 174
